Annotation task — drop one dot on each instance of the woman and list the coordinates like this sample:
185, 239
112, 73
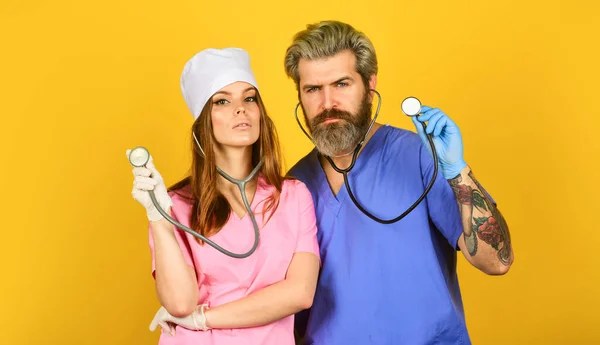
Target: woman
208, 297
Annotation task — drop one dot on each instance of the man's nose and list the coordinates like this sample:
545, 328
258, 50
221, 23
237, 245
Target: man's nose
328, 99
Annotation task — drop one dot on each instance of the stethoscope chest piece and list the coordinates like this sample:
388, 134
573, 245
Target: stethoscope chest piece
411, 106
139, 156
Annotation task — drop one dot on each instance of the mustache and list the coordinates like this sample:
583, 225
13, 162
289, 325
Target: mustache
331, 114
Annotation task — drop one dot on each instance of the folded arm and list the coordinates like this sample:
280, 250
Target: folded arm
486, 240
293, 294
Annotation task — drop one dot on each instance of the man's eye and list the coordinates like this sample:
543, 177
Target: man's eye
342, 84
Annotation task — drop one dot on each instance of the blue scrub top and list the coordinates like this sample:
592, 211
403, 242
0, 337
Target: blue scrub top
385, 284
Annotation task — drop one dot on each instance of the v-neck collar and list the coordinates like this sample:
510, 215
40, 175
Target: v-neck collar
263, 190
334, 202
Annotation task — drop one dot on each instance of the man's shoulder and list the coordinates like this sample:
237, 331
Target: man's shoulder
397, 135
398, 143
304, 166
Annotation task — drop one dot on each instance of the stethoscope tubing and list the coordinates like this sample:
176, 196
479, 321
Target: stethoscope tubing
345, 172
242, 187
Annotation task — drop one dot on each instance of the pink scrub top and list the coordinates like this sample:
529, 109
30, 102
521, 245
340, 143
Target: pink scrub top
221, 279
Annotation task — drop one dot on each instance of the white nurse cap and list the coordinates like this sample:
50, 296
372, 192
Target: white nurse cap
209, 71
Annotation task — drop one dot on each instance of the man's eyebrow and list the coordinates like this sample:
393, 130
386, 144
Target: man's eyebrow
309, 86
344, 78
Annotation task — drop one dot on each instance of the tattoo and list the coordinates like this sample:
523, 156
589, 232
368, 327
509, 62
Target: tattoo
506, 250
490, 228
471, 242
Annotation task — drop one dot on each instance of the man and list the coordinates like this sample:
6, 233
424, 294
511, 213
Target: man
385, 283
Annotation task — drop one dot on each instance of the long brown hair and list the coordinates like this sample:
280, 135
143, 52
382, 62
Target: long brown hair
211, 209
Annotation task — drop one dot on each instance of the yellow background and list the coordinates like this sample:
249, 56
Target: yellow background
82, 81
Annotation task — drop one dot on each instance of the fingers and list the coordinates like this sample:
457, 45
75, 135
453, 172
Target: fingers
160, 319
154, 173
451, 127
433, 120
440, 125
150, 163
153, 324
418, 126
420, 129
425, 108
142, 180
421, 133
141, 171
427, 113
166, 327
144, 183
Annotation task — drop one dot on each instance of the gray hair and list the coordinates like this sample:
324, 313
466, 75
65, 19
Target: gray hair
326, 39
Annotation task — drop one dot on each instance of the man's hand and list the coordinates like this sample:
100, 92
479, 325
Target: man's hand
445, 136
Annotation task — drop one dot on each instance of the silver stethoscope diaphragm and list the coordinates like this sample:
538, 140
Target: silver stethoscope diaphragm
139, 156
411, 106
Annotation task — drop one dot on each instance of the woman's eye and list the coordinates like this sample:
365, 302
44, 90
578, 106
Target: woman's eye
221, 102
251, 99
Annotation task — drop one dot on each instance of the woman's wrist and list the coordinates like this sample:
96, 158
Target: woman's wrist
161, 226
202, 317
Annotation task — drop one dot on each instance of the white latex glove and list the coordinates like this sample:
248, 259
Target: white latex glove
146, 179
195, 322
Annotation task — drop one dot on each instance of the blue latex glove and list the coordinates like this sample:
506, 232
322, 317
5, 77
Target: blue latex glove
446, 138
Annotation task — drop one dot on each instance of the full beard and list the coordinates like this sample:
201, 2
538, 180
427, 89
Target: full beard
341, 137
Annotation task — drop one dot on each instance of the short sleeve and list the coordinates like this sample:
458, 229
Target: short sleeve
307, 223
181, 239
441, 201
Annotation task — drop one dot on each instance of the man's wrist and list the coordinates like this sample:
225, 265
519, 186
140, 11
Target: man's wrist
456, 170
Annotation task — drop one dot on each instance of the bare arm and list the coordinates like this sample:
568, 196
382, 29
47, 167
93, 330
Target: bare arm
274, 302
176, 284
486, 242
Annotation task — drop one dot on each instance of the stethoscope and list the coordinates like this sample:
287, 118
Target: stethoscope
411, 106
139, 157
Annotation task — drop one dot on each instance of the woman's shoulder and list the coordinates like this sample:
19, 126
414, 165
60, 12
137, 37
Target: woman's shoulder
181, 195
294, 188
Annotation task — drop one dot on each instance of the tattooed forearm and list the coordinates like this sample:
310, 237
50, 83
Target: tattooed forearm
471, 242
487, 223
496, 226
464, 196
